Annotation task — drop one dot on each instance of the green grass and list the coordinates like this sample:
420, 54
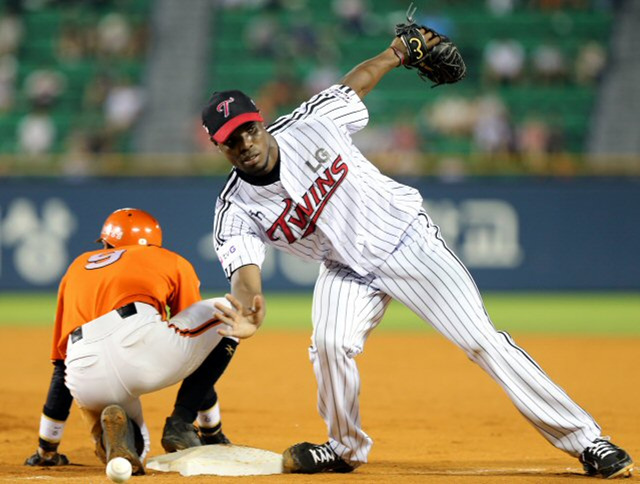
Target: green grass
588, 313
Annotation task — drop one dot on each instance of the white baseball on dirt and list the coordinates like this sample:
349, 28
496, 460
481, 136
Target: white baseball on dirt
119, 469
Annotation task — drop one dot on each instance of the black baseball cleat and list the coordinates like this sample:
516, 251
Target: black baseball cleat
307, 458
213, 436
118, 437
179, 435
606, 459
53, 459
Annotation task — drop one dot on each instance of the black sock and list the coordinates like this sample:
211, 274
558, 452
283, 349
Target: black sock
197, 388
210, 399
211, 430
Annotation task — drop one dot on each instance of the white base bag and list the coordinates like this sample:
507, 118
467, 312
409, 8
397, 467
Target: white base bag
219, 460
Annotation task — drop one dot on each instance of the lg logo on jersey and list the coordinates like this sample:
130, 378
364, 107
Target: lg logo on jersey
314, 201
322, 156
228, 253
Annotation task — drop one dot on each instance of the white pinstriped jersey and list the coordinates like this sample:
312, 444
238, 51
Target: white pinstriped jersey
329, 203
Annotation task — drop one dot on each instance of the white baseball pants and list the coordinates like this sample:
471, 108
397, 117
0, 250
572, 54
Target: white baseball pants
423, 274
119, 359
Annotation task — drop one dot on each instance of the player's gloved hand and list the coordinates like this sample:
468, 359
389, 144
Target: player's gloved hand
434, 56
47, 459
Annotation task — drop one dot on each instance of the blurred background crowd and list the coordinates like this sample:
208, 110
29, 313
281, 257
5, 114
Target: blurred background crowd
70, 76
548, 91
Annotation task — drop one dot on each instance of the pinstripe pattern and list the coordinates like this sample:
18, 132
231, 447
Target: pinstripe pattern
324, 105
375, 243
345, 310
427, 277
360, 236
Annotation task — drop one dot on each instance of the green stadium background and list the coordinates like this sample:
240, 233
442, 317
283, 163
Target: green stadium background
107, 89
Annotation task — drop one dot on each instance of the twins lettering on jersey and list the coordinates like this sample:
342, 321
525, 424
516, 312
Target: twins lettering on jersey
304, 215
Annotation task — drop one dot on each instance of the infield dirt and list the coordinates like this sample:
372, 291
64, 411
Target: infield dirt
433, 415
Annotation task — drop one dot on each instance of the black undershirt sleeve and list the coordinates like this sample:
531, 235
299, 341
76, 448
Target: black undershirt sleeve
59, 399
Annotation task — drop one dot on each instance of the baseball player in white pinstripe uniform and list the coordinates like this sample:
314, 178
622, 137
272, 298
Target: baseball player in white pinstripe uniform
302, 186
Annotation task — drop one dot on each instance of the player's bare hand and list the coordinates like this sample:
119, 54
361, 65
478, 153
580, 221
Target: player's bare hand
243, 322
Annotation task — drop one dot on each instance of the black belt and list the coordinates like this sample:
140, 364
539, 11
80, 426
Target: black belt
127, 310
124, 312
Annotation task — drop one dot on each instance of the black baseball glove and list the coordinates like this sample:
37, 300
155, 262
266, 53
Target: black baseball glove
441, 64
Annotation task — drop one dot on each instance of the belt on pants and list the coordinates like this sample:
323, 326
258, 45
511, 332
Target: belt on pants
124, 312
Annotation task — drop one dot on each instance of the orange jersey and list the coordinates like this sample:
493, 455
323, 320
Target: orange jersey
103, 280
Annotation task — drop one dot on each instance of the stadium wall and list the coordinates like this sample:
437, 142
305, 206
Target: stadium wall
512, 233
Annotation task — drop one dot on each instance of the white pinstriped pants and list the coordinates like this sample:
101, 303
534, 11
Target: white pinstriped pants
427, 277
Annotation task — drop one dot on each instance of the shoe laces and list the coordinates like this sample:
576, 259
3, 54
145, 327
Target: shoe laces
322, 453
602, 448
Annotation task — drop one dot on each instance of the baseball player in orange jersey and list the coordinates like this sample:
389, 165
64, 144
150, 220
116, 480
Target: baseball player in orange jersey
113, 341
302, 186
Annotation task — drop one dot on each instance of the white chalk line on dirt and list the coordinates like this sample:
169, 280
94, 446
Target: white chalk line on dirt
499, 471
451, 472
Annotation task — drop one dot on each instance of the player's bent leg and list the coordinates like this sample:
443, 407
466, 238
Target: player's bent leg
196, 332
180, 345
196, 393
133, 409
92, 420
440, 290
119, 437
541, 401
210, 421
339, 401
345, 310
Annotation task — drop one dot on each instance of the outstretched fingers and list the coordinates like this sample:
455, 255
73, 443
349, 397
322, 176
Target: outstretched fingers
241, 322
225, 314
237, 305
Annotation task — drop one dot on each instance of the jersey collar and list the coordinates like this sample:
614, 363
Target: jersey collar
271, 177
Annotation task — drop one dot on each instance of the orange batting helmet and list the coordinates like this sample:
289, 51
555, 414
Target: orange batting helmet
131, 226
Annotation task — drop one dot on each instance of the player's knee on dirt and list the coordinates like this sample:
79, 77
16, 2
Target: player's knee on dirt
135, 440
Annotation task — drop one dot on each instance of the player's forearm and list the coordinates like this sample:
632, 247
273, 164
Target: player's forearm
246, 283
56, 409
365, 76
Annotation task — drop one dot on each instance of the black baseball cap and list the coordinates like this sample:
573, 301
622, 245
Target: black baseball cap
225, 111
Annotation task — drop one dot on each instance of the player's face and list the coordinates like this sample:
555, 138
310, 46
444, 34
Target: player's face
251, 149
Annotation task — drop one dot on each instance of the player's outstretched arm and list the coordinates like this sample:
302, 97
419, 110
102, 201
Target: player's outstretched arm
243, 322
246, 283
246, 289
365, 76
